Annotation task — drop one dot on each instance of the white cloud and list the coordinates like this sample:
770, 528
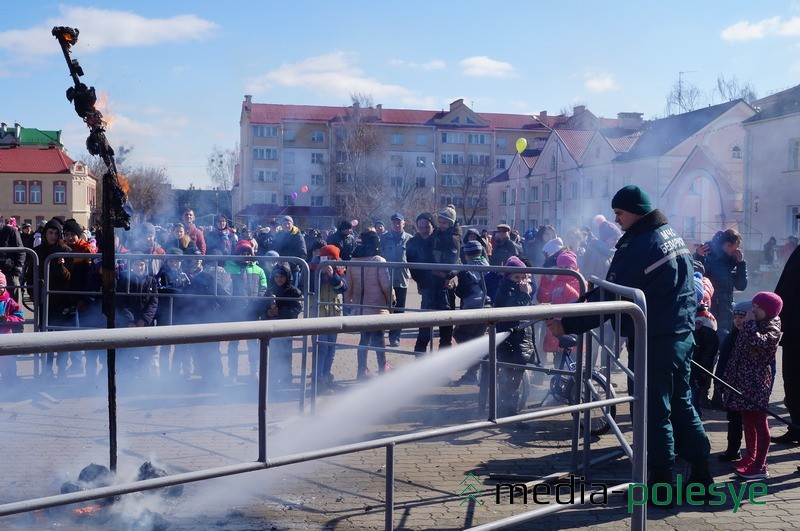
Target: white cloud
747, 31
482, 66
436, 64
334, 74
103, 28
599, 83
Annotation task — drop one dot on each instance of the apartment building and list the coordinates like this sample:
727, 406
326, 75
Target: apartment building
323, 164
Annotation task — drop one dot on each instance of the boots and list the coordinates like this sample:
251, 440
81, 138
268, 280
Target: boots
660, 477
700, 473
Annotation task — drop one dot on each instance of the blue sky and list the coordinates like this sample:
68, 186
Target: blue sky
175, 73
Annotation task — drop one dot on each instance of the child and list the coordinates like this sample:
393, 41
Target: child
284, 303
514, 290
10, 313
471, 289
559, 289
329, 298
731, 453
749, 371
705, 338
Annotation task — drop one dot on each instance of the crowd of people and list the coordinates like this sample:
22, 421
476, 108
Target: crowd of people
255, 273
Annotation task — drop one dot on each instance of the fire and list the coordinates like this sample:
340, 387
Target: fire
91, 510
103, 105
124, 184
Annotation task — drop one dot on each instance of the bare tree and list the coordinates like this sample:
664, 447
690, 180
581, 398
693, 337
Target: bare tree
683, 97
222, 165
464, 186
729, 89
149, 192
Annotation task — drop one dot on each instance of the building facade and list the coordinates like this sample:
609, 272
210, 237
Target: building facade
323, 164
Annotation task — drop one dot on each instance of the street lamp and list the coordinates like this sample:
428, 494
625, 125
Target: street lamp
435, 186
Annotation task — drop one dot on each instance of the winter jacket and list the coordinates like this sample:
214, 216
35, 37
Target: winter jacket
447, 246
517, 348
484, 244
330, 291
247, 280
393, 249
222, 240
11, 262
725, 274
556, 289
197, 237
345, 242
788, 288
597, 258
502, 251
749, 368
12, 312
471, 288
286, 298
368, 286
137, 299
420, 251
59, 278
291, 244
652, 257
215, 283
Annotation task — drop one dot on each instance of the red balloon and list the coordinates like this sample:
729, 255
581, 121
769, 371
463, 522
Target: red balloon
304, 189
354, 222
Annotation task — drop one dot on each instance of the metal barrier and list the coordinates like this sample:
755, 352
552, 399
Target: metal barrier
264, 330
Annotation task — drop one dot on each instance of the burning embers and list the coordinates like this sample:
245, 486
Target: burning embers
115, 511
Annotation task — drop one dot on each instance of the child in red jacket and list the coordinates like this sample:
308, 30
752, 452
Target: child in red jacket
559, 289
10, 313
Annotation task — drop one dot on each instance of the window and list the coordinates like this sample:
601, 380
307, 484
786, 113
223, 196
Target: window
500, 164
397, 161
535, 193
318, 200
501, 143
317, 179
420, 182
503, 197
736, 152
477, 138
479, 160
421, 162
452, 138
553, 162
448, 179
287, 200
265, 131
522, 195
588, 189
694, 188
396, 182
288, 157
288, 178
422, 139
689, 227
317, 136
396, 139
273, 199
573, 190
60, 193
605, 187
559, 190
453, 159
317, 158
288, 135
20, 192
262, 153
343, 177
513, 196
35, 192
546, 193
794, 154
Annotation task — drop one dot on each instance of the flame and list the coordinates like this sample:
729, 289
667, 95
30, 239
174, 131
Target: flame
103, 104
91, 510
124, 183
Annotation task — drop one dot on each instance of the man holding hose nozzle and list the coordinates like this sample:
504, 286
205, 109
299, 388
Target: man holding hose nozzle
652, 257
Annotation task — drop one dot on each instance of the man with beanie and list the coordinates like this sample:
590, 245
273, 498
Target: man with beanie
419, 250
393, 249
446, 250
788, 289
343, 239
652, 257
290, 242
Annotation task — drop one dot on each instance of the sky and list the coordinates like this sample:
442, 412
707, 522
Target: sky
173, 75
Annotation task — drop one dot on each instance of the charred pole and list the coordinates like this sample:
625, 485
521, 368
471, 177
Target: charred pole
114, 213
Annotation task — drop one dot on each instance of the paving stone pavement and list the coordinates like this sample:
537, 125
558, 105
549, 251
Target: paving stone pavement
51, 429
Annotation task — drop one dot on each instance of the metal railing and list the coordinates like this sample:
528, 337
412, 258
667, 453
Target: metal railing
263, 331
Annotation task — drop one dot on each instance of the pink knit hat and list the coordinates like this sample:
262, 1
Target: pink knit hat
771, 303
567, 259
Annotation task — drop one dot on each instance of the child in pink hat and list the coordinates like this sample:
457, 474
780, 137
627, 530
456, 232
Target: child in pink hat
750, 372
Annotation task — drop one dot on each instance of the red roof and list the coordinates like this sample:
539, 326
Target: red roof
269, 113
576, 142
623, 144
34, 160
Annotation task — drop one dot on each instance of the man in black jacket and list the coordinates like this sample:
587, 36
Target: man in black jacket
788, 289
652, 257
